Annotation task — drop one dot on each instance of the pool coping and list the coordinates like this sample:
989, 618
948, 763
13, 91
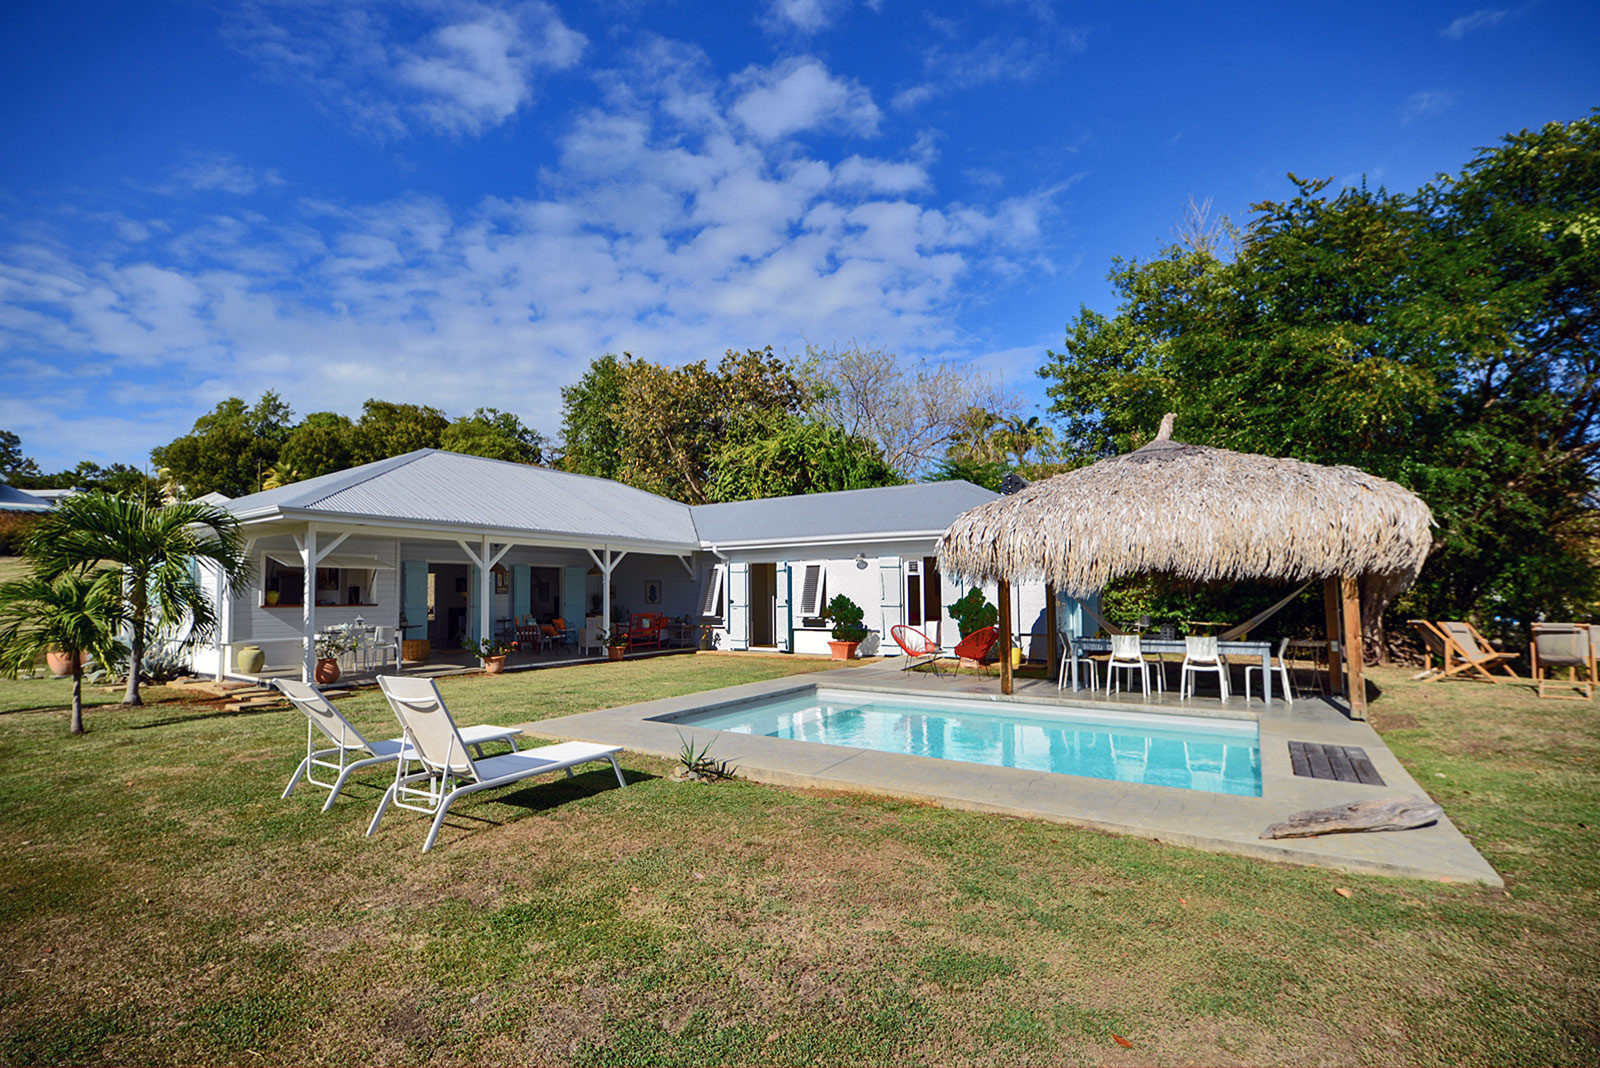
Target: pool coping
1215, 822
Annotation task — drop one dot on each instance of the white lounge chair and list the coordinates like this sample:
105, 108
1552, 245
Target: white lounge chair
440, 750
322, 716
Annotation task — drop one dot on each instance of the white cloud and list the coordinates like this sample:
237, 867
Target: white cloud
799, 95
219, 172
1479, 20
966, 54
1425, 103
804, 16
671, 224
458, 67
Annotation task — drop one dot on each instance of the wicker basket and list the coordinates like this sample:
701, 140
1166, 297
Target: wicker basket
415, 649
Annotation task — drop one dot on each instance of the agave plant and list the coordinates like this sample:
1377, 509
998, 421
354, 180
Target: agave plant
71, 614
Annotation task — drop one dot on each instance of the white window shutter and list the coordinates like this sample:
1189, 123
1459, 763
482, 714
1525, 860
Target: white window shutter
813, 588
739, 606
711, 599
783, 624
894, 584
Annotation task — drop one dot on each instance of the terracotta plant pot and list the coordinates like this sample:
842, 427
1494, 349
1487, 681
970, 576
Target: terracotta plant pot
61, 663
616, 652
250, 659
844, 650
327, 672
494, 665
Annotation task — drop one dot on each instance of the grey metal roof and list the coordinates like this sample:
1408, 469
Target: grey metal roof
914, 508
453, 490
432, 486
15, 500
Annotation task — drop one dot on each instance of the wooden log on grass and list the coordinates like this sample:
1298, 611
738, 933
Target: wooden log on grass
1388, 814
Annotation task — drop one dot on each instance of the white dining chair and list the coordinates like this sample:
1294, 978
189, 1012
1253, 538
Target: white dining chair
1280, 665
1201, 655
1127, 656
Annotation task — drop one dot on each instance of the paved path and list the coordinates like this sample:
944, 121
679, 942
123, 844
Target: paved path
1217, 822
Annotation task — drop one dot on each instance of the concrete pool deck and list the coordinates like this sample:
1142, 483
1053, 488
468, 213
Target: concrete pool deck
1216, 822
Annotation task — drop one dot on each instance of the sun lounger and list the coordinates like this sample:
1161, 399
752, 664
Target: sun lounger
439, 750
321, 715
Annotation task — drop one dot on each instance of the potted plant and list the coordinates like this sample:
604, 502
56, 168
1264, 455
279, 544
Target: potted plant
492, 651
616, 643
973, 612
848, 628
331, 645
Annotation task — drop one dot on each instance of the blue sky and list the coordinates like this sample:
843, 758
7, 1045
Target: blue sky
462, 203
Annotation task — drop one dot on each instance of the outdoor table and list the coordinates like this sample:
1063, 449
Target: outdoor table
1261, 650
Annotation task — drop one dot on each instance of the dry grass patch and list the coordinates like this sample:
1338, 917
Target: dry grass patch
194, 917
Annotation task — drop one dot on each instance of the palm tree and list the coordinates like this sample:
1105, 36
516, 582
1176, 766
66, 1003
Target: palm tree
155, 548
71, 614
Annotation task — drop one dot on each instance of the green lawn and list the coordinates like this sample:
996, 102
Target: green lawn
158, 902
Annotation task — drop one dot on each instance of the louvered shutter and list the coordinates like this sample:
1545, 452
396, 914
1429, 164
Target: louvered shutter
813, 589
711, 597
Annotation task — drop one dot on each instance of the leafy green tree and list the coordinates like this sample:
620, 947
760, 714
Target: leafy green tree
978, 472
230, 448
155, 549
592, 419
322, 442
1446, 339
71, 614
797, 457
12, 462
389, 429
495, 434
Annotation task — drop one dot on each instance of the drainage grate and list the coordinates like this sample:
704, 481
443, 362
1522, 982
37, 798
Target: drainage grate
1342, 763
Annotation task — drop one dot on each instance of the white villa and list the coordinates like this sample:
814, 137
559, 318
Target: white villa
448, 546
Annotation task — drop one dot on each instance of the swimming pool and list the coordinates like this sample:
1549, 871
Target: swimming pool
1187, 752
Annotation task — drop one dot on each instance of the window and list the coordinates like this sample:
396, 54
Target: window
813, 589
333, 585
711, 599
914, 593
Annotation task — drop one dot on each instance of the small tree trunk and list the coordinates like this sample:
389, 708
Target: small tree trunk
77, 695
135, 655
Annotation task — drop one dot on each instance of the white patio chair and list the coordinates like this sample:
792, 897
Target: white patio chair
1126, 656
1200, 655
1084, 661
1280, 665
440, 750
322, 716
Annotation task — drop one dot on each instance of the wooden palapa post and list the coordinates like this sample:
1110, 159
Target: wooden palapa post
1052, 635
1355, 686
1332, 599
1005, 636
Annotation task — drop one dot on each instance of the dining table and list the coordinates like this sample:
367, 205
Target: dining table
1081, 647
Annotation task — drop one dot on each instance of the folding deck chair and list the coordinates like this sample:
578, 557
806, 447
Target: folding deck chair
1461, 649
322, 716
439, 750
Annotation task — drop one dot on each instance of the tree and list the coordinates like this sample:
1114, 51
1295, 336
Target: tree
155, 549
389, 429
1447, 339
71, 614
592, 419
495, 434
798, 457
914, 413
323, 442
229, 449
12, 462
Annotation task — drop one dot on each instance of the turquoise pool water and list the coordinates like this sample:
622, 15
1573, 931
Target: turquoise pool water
1190, 753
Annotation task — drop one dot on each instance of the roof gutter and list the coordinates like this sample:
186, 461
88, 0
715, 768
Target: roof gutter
831, 539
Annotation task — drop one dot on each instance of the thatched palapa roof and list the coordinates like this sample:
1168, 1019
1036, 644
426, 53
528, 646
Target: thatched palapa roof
1198, 513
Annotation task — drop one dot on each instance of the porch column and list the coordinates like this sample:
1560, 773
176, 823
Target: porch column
308, 605
1332, 595
224, 622
1005, 636
606, 563
485, 589
1355, 686
1052, 631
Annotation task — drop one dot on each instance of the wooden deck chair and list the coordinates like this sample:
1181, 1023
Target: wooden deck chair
916, 645
1562, 645
322, 716
439, 750
1444, 640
